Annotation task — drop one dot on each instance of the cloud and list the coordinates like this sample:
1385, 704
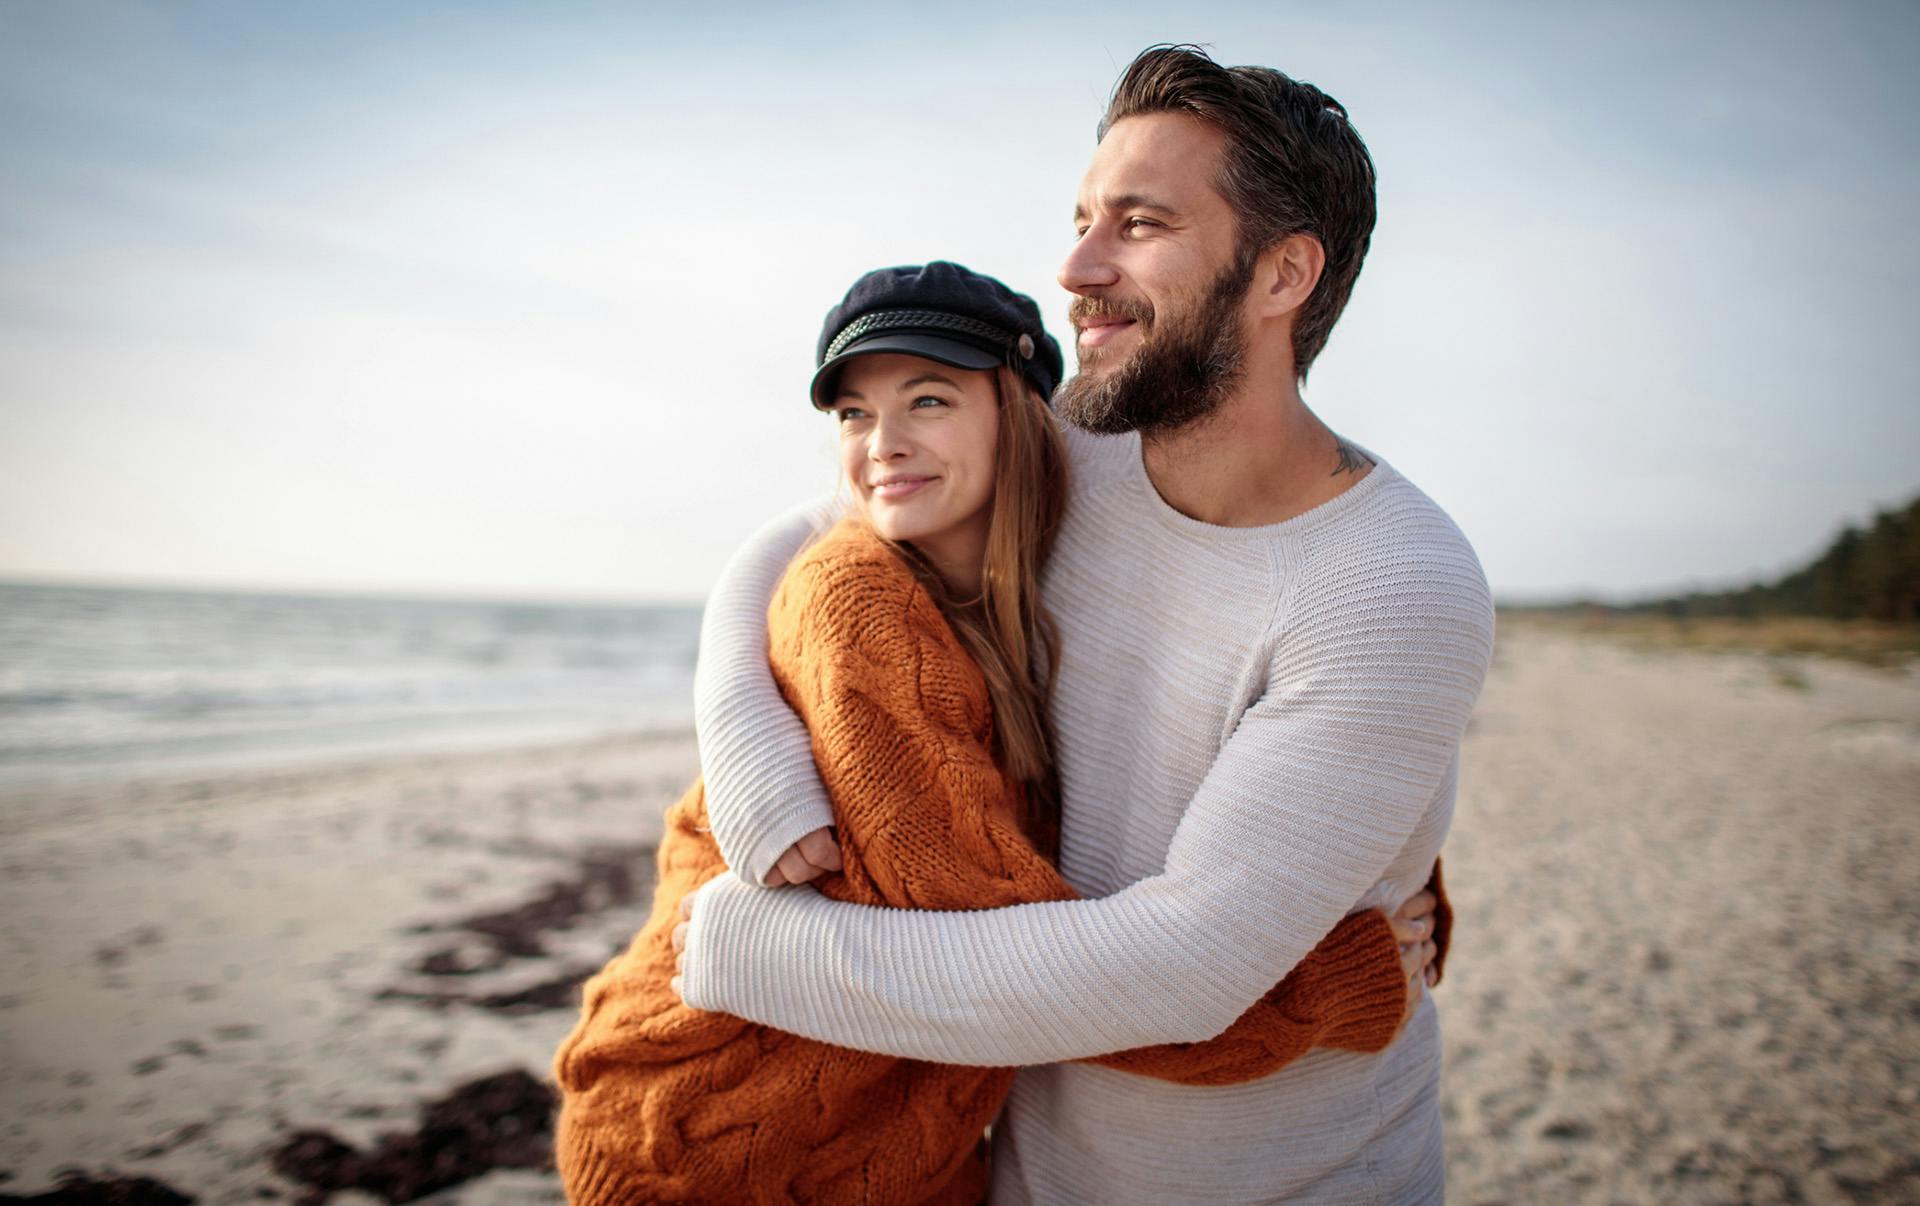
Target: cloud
524, 299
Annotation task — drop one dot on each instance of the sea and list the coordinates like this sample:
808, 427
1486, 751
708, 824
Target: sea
108, 682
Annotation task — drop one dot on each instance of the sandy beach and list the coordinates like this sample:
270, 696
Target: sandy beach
1687, 966
204, 968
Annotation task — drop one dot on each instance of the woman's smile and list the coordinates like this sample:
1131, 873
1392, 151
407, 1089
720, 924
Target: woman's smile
897, 487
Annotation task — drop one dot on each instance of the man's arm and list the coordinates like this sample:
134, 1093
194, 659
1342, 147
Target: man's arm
763, 793
1310, 800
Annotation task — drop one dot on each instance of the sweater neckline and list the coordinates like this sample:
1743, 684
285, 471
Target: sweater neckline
1168, 516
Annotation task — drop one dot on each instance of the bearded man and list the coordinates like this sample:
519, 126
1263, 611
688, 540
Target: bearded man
1270, 645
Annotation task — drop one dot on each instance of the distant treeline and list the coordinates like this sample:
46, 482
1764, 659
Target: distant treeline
1870, 573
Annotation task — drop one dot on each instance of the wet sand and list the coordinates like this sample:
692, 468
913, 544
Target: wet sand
1687, 965
206, 971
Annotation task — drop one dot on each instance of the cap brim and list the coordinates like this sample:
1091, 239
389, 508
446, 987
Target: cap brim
908, 343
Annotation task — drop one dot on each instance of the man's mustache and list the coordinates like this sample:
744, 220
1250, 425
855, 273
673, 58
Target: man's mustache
1085, 308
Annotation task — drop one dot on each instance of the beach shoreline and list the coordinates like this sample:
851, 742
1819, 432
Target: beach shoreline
1687, 963
208, 965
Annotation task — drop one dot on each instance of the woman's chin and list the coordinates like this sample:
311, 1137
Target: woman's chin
900, 533
895, 523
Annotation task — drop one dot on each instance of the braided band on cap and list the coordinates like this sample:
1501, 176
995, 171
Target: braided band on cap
884, 320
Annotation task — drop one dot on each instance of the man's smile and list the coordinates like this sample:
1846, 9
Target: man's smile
1101, 320
1097, 331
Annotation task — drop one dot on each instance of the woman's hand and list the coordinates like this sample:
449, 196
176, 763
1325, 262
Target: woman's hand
807, 859
1413, 929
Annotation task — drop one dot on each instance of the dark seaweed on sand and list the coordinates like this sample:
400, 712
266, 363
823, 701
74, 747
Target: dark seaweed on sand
75, 1188
501, 1121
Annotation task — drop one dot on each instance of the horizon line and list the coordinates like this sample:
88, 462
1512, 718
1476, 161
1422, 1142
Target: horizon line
523, 596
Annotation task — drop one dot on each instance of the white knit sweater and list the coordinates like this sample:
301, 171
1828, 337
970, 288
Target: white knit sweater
1258, 735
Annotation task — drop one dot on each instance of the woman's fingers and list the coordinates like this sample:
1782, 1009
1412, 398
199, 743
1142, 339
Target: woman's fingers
1414, 989
1420, 904
1411, 964
1416, 959
1413, 921
1405, 931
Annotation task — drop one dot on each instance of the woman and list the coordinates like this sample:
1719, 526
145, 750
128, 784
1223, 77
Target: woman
912, 641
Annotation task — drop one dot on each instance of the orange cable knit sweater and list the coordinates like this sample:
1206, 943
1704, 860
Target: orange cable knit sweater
666, 1103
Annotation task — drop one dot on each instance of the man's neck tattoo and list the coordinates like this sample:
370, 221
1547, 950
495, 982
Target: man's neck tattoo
1351, 459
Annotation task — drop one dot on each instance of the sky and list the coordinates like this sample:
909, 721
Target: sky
521, 300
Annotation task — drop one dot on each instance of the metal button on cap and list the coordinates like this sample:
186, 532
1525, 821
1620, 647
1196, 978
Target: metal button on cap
1026, 347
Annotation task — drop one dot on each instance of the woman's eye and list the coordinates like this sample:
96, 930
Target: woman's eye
847, 414
928, 400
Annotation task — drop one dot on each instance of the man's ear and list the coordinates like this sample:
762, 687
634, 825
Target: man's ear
1286, 274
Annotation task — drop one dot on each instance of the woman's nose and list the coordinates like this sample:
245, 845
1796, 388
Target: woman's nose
888, 441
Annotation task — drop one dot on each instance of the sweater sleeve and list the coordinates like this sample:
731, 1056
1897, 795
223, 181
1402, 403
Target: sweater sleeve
902, 733
902, 729
763, 793
1311, 797
1350, 992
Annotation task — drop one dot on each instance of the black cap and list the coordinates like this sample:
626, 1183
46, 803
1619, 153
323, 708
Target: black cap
943, 312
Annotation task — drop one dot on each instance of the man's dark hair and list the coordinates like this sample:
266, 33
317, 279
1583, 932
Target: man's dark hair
1292, 165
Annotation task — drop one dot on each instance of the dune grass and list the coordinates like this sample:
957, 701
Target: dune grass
1862, 641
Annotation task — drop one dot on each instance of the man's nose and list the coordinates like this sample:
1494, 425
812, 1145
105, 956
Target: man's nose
1089, 265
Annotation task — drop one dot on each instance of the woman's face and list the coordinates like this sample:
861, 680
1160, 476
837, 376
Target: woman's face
917, 443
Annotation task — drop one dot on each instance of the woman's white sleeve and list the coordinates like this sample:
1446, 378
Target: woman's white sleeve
763, 791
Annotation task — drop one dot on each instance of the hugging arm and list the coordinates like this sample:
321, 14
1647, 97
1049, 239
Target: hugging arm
763, 793
1310, 800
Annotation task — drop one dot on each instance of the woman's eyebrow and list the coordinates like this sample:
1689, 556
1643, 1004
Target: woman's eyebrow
933, 377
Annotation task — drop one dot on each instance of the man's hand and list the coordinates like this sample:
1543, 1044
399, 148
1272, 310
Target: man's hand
1413, 929
809, 858
680, 944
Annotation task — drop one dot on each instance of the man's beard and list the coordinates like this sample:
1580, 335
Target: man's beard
1180, 373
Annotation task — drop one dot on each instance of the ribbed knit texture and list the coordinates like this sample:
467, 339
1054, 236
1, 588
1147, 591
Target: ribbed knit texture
764, 792
1259, 731
665, 1103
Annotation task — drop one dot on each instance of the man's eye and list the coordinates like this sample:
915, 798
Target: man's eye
1139, 223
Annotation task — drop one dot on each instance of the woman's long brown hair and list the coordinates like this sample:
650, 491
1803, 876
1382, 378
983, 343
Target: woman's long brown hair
1007, 629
